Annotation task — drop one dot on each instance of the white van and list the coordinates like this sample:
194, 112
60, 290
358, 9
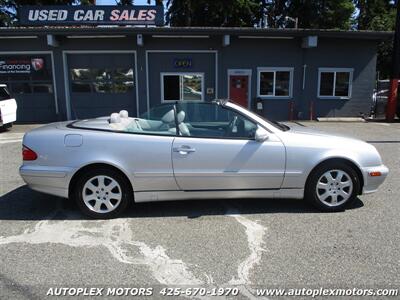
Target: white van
8, 108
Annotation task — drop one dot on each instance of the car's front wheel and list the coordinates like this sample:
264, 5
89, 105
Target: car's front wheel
332, 186
102, 193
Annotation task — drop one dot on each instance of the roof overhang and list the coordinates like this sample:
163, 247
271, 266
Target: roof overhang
193, 31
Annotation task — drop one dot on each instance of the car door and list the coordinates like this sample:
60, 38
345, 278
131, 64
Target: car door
219, 152
148, 153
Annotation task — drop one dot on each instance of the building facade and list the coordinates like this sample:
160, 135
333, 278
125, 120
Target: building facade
60, 73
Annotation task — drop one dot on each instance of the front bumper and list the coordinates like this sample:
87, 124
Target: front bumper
371, 183
49, 180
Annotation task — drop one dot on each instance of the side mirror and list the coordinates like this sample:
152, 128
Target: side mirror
261, 135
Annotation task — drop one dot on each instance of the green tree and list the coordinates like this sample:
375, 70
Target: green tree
156, 2
213, 13
6, 13
273, 13
125, 2
322, 14
85, 2
270, 13
9, 8
378, 15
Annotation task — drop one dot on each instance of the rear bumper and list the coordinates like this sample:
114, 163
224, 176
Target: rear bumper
49, 180
371, 183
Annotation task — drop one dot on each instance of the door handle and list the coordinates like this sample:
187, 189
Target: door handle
184, 149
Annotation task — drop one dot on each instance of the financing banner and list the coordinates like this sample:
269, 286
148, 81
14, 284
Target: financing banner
21, 65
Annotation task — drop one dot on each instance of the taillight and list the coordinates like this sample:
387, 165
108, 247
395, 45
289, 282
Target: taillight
28, 154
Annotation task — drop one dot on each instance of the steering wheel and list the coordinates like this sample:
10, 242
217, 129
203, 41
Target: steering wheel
232, 123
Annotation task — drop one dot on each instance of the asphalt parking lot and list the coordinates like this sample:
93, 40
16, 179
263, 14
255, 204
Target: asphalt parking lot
45, 242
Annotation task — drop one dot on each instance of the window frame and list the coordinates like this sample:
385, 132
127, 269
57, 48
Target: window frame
334, 71
274, 70
162, 74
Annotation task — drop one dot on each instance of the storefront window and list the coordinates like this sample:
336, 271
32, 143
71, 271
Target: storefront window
171, 87
335, 83
182, 87
101, 80
26, 74
42, 87
267, 83
275, 82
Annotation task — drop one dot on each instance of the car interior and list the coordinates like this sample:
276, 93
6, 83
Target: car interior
193, 120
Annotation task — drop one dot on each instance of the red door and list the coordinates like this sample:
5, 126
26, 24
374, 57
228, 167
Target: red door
239, 89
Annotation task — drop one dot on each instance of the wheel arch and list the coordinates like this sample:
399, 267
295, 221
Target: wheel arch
92, 166
344, 160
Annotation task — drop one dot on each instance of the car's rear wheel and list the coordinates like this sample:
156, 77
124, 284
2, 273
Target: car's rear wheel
102, 193
332, 186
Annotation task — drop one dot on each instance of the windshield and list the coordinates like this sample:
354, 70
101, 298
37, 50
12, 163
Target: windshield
4, 94
259, 118
198, 119
157, 112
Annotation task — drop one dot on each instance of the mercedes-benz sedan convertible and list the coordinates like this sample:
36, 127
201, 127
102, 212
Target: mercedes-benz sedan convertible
195, 150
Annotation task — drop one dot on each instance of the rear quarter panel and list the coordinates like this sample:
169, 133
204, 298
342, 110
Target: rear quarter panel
144, 159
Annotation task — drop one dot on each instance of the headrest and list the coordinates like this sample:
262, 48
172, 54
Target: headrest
123, 114
169, 117
180, 116
183, 129
115, 118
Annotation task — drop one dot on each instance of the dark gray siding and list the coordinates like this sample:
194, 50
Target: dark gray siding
344, 53
240, 54
89, 105
162, 62
203, 61
356, 54
32, 107
255, 53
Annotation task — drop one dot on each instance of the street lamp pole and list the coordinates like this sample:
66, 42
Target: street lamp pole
395, 74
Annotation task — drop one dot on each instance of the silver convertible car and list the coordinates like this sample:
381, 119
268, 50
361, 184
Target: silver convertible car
195, 150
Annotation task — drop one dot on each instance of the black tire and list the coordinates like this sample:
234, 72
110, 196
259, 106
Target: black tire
124, 185
312, 181
6, 126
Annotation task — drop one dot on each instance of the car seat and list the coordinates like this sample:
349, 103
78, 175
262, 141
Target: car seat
183, 128
131, 124
115, 122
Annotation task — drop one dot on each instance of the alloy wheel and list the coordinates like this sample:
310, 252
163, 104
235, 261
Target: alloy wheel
334, 187
102, 194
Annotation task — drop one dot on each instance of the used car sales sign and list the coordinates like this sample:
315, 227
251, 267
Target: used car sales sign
91, 15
